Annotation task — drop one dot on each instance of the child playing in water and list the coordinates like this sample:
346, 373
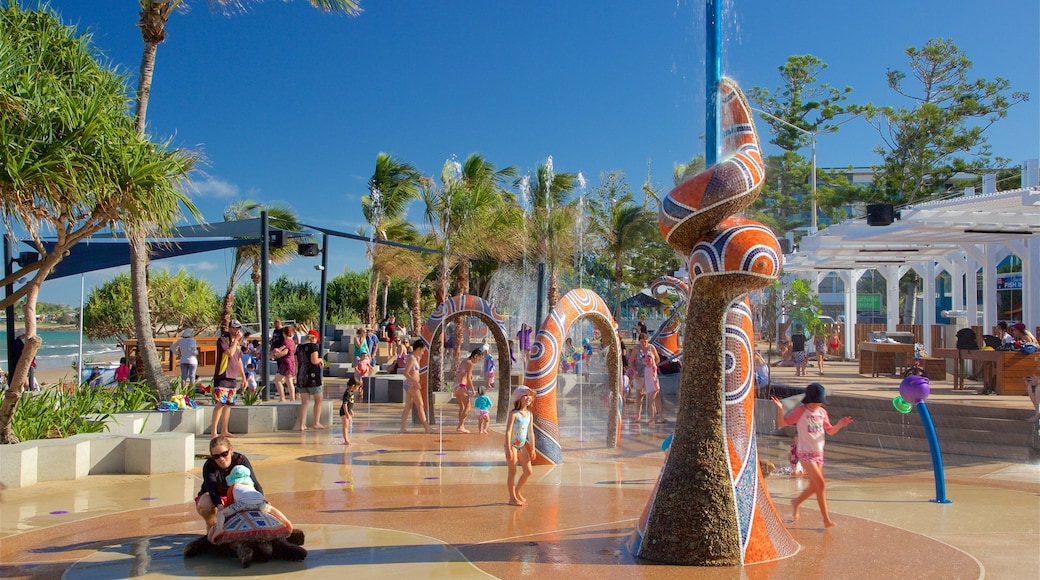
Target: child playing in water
812, 421
346, 407
483, 407
519, 443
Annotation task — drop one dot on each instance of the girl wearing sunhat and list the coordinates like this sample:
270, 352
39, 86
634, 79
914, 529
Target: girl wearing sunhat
812, 421
519, 443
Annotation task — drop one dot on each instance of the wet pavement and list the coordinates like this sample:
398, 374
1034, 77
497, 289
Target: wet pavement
391, 505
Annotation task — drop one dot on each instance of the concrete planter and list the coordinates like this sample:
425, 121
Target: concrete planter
253, 419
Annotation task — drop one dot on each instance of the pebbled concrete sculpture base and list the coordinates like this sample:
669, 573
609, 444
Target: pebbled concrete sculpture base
710, 506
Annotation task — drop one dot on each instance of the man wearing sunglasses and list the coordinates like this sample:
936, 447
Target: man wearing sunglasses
213, 494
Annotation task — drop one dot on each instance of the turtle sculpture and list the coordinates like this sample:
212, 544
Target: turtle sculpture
256, 549
249, 527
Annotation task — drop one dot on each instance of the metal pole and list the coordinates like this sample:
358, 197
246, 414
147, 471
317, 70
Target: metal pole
813, 182
79, 366
8, 290
324, 291
713, 74
265, 339
539, 305
933, 448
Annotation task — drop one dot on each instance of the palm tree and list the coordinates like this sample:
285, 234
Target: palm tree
472, 217
152, 21
623, 225
475, 217
73, 163
552, 221
247, 258
393, 185
407, 264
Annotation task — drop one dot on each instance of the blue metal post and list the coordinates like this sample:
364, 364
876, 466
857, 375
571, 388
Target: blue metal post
713, 68
933, 446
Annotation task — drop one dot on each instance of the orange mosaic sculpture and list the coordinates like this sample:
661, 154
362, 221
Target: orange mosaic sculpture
710, 506
544, 363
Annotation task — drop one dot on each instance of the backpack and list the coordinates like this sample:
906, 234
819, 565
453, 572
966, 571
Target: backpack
967, 340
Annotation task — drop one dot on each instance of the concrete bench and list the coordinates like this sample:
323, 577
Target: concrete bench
160, 453
18, 464
62, 459
287, 414
253, 419
107, 452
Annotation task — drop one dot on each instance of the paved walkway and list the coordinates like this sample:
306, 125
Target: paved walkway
435, 506
843, 377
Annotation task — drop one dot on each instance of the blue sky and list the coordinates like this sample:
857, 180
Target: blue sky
292, 106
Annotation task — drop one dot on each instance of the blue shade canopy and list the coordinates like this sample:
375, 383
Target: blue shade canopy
110, 250
88, 256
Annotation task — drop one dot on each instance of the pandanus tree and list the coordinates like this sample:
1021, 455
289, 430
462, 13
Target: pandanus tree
152, 20
394, 184
247, 258
73, 161
552, 219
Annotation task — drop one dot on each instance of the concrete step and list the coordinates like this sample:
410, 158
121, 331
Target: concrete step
1009, 436
1019, 453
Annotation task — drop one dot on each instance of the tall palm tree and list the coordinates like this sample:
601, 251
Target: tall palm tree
152, 21
473, 217
247, 258
623, 225
394, 184
552, 220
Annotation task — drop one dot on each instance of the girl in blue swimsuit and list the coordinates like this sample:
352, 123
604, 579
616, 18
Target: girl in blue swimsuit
519, 443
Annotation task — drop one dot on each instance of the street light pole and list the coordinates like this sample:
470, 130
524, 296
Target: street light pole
812, 144
812, 186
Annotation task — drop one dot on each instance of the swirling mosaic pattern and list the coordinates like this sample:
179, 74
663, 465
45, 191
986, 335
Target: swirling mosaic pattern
666, 339
686, 522
543, 367
465, 304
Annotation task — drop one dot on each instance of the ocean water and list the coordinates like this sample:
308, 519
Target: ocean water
61, 347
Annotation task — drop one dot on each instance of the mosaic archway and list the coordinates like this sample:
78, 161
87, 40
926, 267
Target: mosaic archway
544, 362
710, 506
666, 339
459, 307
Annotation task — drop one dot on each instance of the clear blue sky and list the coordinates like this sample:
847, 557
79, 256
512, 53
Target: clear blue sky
292, 106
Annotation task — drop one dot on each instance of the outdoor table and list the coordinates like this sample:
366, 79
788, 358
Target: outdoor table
1003, 372
883, 357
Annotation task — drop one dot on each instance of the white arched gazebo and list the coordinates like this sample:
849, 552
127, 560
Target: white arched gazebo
959, 235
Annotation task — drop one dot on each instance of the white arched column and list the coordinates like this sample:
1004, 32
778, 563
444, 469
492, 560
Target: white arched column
891, 274
928, 320
851, 279
975, 258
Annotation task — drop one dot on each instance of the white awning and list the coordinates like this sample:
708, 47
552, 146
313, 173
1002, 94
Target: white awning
923, 233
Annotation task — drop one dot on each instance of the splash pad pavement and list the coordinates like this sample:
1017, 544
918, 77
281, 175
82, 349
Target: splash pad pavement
421, 505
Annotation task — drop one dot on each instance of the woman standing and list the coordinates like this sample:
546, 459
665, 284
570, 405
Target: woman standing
820, 346
187, 352
412, 390
310, 379
285, 355
464, 388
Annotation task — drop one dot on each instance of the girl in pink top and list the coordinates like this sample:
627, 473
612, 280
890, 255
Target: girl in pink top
813, 422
